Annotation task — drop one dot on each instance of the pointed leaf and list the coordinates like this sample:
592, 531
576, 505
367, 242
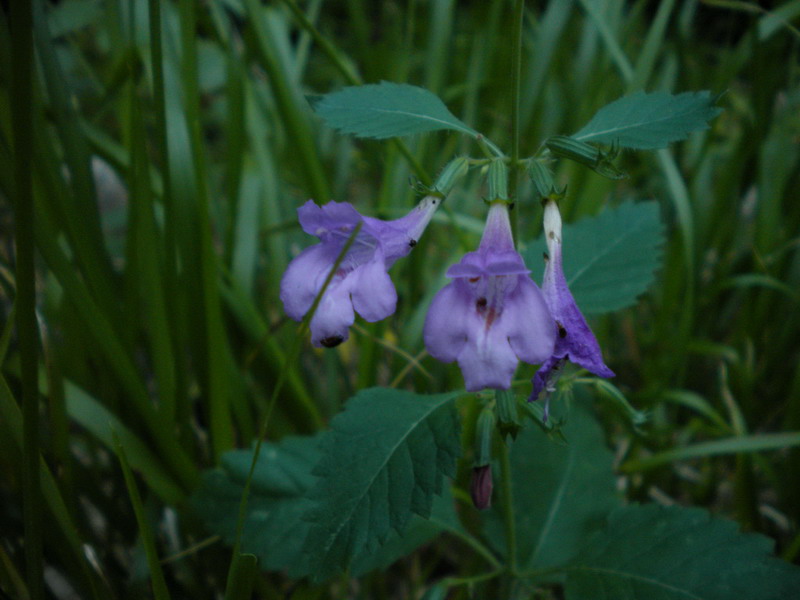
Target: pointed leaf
649, 121
675, 553
562, 492
386, 110
609, 259
384, 460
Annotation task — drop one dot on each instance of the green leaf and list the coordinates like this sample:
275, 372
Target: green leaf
675, 553
609, 259
561, 492
649, 121
384, 460
274, 529
386, 110
419, 531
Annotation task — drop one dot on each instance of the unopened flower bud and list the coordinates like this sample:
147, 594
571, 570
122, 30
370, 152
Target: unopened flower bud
480, 487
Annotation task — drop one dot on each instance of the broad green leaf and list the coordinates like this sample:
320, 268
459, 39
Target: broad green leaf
276, 526
562, 492
274, 529
383, 461
609, 259
649, 121
419, 531
386, 110
675, 553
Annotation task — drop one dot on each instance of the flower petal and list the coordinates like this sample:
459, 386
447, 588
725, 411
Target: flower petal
487, 360
372, 290
448, 323
332, 320
304, 278
527, 323
316, 220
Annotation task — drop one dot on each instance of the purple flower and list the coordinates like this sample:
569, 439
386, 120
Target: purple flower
361, 283
492, 314
575, 341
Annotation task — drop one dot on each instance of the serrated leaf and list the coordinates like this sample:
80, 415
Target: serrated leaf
609, 259
386, 110
274, 528
649, 121
419, 531
384, 460
675, 553
562, 492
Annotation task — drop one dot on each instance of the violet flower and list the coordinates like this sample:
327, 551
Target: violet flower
575, 341
492, 314
361, 283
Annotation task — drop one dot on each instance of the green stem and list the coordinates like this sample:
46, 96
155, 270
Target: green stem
516, 67
291, 358
508, 510
22, 113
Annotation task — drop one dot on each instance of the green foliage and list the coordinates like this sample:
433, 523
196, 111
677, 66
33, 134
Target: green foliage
675, 553
386, 110
415, 443
562, 491
383, 461
610, 259
274, 529
649, 121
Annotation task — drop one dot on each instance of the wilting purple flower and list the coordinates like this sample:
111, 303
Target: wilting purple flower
480, 487
575, 341
361, 282
492, 314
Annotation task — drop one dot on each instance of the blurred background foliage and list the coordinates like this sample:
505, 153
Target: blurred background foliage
167, 166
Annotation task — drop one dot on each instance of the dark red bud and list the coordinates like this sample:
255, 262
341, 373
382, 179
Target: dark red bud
481, 487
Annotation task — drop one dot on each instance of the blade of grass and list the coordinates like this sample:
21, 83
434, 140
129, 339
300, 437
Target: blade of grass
110, 346
241, 577
11, 428
160, 591
144, 265
353, 78
220, 386
289, 101
101, 423
733, 445
651, 49
25, 302
82, 220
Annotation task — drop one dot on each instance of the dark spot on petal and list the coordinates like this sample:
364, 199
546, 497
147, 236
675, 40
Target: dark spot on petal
480, 303
552, 235
473, 279
332, 341
545, 256
562, 332
412, 243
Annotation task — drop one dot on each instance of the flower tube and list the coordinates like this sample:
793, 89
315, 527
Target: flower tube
575, 341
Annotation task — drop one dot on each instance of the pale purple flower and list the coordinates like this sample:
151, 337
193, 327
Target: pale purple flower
361, 283
492, 314
575, 341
